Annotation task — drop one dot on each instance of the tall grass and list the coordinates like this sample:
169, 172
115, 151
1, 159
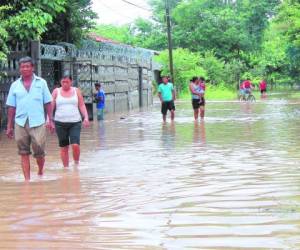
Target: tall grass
212, 93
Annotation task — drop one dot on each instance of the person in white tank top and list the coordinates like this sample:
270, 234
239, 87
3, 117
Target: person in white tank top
69, 109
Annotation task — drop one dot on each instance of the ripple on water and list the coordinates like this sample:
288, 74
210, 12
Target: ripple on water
228, 182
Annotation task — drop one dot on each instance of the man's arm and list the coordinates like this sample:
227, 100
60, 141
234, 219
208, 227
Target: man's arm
11, 112
174, 93
11, 104
96, 97
160, 98
49, 111
159, 93
50, 107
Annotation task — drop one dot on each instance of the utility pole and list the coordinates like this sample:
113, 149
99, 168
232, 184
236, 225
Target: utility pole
170, 45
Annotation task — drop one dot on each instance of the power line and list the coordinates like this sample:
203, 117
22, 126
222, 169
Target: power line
117, 12
138, 6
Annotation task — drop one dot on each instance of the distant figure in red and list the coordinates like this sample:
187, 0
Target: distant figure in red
247, 86
263, 88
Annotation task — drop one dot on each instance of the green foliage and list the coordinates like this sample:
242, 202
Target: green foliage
288, 23
25, 20
28, 30
117, 33
148, 34
186, 65
203, 26
237, 39
214, 92
73, 24
51, 21
223, 26
288, 20
3, 35
214, 68
141, 33
233, 71
233, 40
220, 92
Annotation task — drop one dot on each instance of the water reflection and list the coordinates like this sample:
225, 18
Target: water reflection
39, 211
246, 107
228, 182
199, 135
168, 136
101, 134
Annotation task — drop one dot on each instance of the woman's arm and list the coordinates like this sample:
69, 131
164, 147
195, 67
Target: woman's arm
193, 91
54, 96
50, 108
82, 108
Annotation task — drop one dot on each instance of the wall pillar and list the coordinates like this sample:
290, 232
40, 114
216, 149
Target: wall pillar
35, 51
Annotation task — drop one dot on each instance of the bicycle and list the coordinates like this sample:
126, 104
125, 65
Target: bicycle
247, 97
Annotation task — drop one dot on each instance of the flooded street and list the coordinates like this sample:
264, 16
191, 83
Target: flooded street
229, 182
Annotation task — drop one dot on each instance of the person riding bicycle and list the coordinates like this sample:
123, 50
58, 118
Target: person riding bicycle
242, 90
247, 86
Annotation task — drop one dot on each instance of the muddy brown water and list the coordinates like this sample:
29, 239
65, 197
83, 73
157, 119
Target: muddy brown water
229, 182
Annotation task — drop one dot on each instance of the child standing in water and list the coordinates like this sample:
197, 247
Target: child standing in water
202, 100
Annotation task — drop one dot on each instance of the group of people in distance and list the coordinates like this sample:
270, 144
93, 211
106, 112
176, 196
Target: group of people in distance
167, 96
246, 87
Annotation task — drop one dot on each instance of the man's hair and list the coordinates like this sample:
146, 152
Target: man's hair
26, 59
97, 84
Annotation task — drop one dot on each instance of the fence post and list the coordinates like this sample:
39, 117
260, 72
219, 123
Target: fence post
35, 49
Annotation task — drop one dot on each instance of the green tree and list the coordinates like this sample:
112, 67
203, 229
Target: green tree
214, 68
3, 35
186, 65
73, 24
223, 26
148, 34
25, 20
288, 23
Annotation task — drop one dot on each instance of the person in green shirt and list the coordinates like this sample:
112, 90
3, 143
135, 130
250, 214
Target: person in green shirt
166, 94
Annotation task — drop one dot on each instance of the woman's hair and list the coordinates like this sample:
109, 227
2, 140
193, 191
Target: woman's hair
194, 79
67, 75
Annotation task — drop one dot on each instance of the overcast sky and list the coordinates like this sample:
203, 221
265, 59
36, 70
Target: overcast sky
120, 12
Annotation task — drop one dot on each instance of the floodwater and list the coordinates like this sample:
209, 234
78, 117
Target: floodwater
229, 182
